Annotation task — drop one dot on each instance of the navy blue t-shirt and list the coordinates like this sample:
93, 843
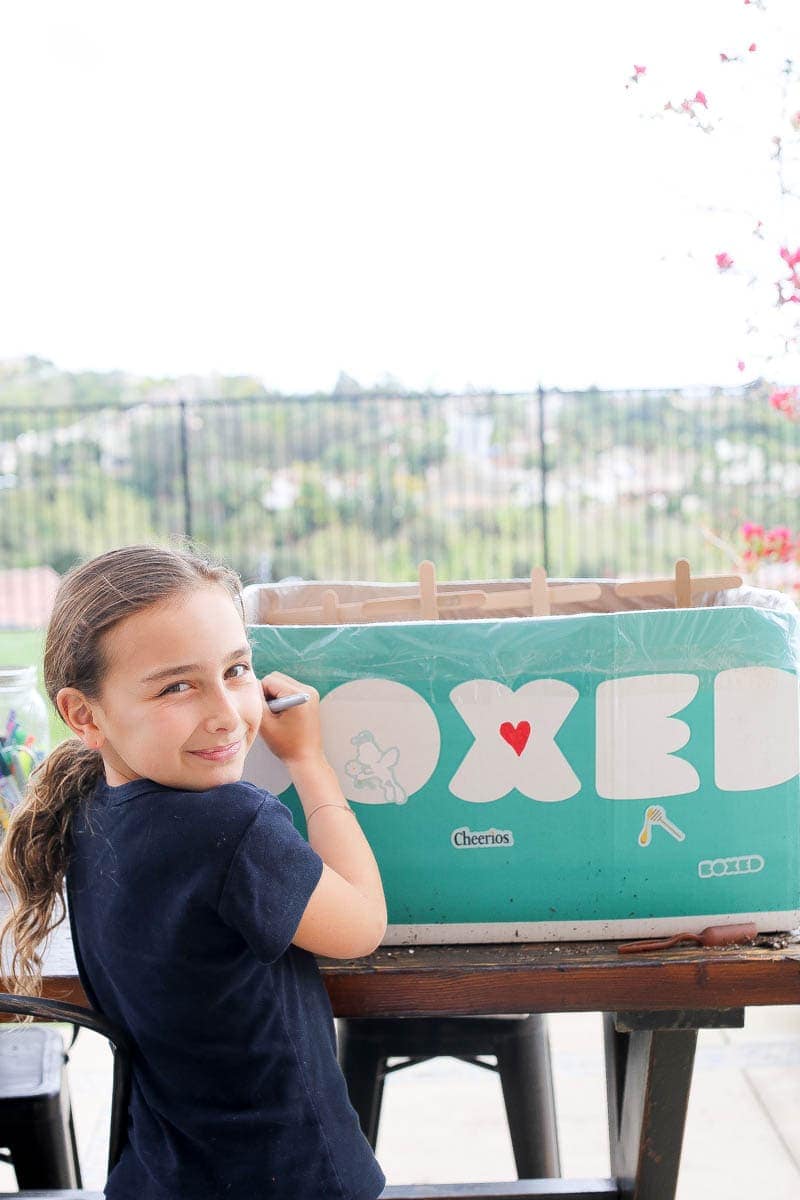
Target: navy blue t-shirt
183, 906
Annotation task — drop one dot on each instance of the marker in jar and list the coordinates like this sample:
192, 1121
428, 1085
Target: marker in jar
282, 702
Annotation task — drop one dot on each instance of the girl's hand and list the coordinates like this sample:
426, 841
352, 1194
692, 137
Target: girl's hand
293, 735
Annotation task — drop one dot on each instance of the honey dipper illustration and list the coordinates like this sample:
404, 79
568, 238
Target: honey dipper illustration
655, 815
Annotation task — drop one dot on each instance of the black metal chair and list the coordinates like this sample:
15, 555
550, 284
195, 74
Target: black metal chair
56, 1010
519, 1044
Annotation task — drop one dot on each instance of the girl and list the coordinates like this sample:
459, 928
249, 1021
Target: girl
195, 905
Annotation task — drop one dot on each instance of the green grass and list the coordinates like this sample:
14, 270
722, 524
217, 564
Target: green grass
23, 648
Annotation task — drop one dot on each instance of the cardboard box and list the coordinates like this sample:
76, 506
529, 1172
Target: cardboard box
583, 775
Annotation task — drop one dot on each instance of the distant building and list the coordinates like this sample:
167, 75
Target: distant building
26, 597
347, 386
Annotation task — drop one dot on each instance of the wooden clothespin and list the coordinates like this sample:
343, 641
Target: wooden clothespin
427, 591
540, 599
544, 594
683, 584
330, 607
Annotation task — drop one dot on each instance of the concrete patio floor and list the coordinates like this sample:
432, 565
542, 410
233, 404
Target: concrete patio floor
443, 1121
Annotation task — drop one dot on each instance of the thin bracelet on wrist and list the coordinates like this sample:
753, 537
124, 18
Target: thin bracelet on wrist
343, 807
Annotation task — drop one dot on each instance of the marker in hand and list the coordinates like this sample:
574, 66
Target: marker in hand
282, 702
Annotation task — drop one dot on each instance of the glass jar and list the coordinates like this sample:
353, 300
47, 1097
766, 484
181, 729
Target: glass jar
24, 734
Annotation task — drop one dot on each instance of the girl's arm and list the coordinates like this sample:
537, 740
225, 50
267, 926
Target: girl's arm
346, 914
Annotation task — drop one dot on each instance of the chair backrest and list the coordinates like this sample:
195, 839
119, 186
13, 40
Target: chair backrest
87, 1018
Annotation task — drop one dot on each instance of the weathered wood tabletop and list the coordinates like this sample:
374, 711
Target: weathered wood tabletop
529, 977
564, 977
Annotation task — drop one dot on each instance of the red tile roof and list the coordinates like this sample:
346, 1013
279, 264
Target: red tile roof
26, 597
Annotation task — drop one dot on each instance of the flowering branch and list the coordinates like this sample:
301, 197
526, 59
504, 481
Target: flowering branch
782, 286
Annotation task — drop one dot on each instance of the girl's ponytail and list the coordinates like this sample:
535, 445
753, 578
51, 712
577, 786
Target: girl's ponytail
34, 855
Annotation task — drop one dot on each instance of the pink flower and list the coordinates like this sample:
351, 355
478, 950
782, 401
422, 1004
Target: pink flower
724, 261
752, 47
740, 365
790, 259
700, 99
778, 544
723, 57
639, 70
774, 545
784, 400
795, 121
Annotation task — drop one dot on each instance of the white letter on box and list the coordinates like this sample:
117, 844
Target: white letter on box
514, 740
755, 728
637, 737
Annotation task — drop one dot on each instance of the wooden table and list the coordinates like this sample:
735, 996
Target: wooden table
653, 1003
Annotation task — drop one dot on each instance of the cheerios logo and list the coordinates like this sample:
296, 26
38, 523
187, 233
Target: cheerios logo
744, 864
464, 838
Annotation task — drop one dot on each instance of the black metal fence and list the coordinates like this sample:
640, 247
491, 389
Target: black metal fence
364, 487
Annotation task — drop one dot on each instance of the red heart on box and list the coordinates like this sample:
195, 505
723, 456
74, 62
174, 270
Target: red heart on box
516, 735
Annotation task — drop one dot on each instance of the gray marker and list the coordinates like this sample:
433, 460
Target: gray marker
283, 702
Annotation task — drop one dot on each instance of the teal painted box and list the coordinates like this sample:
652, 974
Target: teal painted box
583, 775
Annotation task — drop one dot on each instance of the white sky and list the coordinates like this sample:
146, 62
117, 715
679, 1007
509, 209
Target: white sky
454, 192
